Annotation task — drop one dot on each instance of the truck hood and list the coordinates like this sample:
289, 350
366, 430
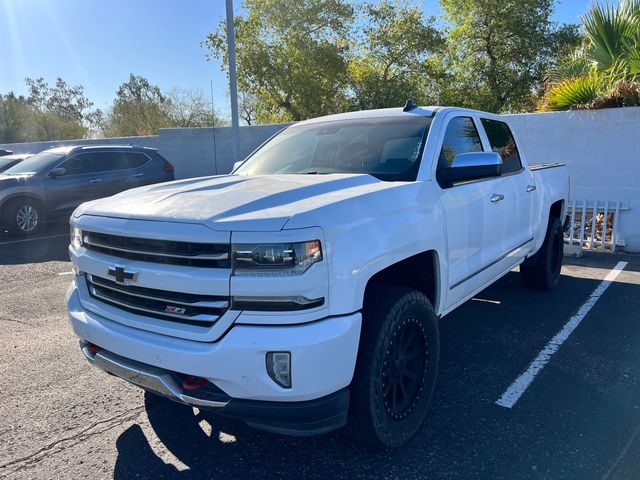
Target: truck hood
234, 202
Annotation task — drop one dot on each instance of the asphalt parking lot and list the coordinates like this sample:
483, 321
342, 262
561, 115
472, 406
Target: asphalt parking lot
577, 418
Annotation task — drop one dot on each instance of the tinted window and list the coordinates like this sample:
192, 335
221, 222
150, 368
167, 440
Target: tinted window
104, 162
109, 161
388, 148
121, 160
461, 136
135, 160
503, 143
79, 164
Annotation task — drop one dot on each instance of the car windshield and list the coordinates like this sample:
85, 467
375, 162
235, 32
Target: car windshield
389, 148
36, 164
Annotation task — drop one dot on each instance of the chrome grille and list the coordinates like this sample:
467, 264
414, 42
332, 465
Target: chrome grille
211, 255
186, 308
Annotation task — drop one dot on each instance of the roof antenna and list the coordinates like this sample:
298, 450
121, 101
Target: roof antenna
409, 105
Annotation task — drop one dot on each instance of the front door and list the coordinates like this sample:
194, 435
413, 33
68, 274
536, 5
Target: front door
476, 215
80, 183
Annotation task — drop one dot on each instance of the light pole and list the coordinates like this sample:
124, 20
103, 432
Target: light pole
233, 84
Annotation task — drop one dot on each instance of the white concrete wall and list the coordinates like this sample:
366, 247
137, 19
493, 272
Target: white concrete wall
601, 149
196, 152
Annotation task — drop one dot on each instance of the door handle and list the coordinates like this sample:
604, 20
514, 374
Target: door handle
95, 180
138, 175
531, 188
496, 197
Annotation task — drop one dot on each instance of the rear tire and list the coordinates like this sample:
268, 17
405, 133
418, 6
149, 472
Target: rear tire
23, 217
542, 271
397, 366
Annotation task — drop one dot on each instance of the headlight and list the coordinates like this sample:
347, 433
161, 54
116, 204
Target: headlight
275, 258
76, 237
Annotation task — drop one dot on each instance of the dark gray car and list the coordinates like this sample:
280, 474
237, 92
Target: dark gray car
52, 183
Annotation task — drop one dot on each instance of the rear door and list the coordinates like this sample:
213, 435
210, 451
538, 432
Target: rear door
81, 182
477, 218
518, 180
123, 170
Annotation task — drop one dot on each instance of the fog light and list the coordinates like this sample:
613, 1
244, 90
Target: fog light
279, 368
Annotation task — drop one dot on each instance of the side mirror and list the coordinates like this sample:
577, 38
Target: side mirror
236, 165
473, 165
58, 172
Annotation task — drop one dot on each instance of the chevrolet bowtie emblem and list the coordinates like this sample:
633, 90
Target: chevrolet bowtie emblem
121, 275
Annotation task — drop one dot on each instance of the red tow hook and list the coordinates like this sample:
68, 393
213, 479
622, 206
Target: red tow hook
93, 348
191, 383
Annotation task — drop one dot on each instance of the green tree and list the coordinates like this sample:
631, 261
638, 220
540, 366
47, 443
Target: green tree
605, 70
290, 55
17, 123
393, 58
190, 108
139, 108
499, 50
57, 112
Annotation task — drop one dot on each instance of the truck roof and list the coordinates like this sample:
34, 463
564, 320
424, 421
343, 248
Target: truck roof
425, 111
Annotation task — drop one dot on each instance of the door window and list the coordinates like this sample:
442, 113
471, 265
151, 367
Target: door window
80, 164
461, 136
503, 143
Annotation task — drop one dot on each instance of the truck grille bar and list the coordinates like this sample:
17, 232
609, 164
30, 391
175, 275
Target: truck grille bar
186, 308
211, 255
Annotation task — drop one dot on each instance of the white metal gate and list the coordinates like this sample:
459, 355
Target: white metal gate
593, 225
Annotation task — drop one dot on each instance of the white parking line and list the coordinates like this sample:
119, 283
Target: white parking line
65, 273
520, 385
33, 239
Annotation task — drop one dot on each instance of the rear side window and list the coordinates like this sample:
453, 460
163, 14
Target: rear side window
461, 136
109, 161
502, 142
131, 160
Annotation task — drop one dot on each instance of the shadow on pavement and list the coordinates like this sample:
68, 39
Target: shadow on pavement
486, 343
48, 246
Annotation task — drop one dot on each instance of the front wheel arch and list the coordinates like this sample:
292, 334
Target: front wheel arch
11, 204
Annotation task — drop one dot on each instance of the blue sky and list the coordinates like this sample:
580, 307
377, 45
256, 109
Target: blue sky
97, 43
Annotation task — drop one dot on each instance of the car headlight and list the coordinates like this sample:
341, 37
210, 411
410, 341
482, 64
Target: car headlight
275, 259
76, 237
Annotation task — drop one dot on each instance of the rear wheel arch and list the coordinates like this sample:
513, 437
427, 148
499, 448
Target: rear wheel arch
555, 211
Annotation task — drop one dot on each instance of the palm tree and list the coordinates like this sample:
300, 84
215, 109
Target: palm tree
605, 71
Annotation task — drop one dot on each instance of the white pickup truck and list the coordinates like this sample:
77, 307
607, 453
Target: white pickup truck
303, 291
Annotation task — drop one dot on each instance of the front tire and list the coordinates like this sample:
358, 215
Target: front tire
542, 271
23, 217
397, 366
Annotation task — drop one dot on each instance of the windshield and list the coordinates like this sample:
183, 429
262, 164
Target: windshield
388, 148
36, 164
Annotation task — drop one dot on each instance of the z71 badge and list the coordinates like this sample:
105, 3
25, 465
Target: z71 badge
172, 309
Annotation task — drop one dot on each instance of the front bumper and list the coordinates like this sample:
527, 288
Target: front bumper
323, 353
311, 417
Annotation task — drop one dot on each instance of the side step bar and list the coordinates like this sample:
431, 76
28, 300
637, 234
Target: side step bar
145, 376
